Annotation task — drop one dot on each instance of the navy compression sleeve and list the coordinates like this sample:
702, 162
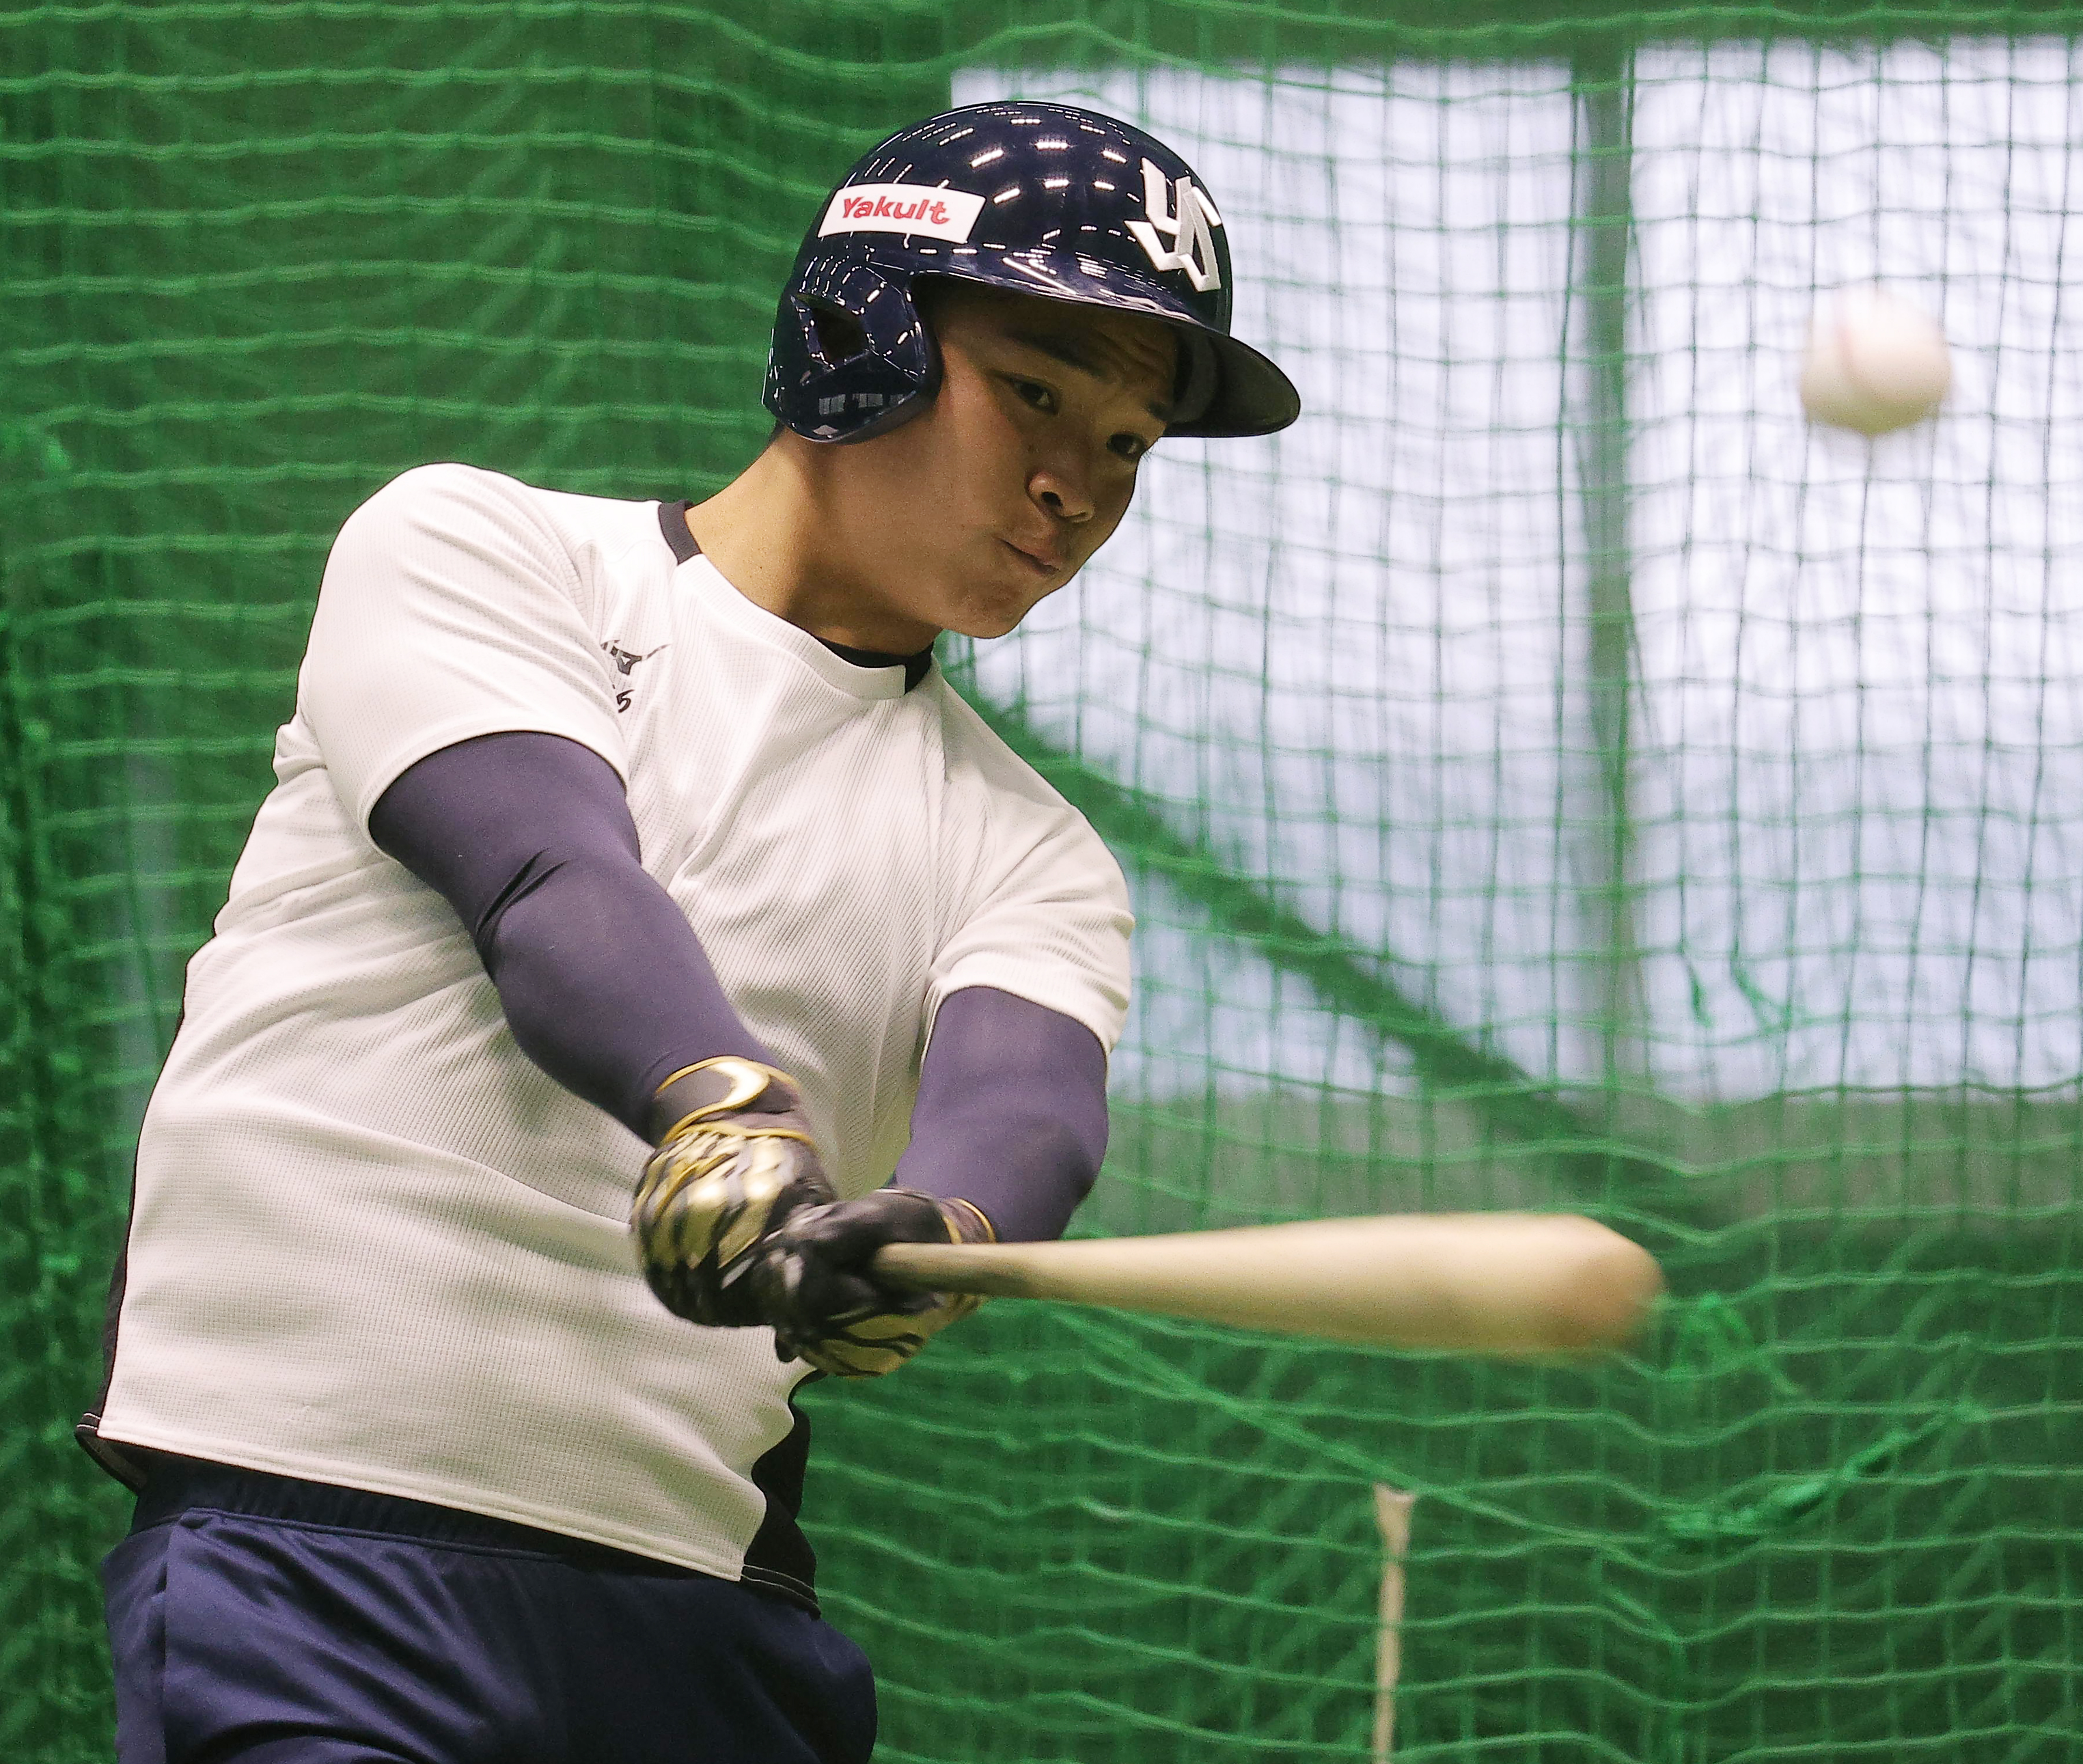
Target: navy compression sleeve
1012, 1112
606, 988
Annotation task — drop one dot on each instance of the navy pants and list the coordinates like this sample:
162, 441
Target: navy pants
261, 1620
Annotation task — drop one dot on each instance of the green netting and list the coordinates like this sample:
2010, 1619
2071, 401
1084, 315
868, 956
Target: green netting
1549, 776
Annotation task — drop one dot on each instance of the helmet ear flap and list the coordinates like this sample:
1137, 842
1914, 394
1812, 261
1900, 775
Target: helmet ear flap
836, 337
852, 357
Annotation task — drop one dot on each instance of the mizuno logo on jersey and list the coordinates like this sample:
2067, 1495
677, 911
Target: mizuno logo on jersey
625, 662
1181, 212
902, 208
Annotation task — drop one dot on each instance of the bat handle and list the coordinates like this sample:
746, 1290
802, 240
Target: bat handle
994, 1270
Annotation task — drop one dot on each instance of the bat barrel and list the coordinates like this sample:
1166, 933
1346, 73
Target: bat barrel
1506, 1284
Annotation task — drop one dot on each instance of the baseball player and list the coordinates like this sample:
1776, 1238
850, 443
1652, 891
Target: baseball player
640, 935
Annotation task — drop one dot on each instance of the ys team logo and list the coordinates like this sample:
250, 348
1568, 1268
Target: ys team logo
1181, 211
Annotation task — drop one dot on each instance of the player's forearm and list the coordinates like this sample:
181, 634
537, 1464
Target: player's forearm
607, 989
1012, 1114
603, 982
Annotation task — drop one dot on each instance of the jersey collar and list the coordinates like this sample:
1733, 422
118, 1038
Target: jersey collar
672, 524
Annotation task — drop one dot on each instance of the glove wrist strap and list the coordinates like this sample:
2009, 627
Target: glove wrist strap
727, 1085
967, 1222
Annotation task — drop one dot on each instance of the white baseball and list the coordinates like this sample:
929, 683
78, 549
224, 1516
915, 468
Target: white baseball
1875, 364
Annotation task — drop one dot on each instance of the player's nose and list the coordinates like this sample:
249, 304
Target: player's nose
1062, 493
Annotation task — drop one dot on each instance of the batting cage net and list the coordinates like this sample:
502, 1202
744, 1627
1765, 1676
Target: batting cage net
1551, 776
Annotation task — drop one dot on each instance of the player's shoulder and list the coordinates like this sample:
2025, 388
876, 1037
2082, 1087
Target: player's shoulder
450, 484
1015, 800
976, 754
449, 497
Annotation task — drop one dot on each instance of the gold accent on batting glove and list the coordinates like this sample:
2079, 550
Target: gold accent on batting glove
736, 1162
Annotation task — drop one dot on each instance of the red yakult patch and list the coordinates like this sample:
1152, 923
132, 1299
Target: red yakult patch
902, 208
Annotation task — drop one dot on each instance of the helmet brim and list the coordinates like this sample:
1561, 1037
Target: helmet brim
1251, 397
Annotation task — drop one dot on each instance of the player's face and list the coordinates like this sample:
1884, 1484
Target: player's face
1024, 463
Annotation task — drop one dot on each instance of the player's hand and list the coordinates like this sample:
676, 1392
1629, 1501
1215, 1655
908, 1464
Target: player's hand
826, 1304
735, 1161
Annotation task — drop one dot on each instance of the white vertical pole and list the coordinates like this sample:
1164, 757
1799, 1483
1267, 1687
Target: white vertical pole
1392, 1512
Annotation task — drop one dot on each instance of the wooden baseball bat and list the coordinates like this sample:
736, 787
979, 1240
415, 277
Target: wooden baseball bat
1511, 1284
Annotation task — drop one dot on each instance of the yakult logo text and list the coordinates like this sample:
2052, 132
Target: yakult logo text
880, 208
902, 208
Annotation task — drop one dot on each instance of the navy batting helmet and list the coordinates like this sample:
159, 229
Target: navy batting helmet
1040, 199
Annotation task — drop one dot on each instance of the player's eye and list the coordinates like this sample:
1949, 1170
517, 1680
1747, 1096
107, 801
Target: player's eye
1128, 445
1034, 392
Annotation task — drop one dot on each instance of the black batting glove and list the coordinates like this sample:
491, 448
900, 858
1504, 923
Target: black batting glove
735, 1162
823, 1299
